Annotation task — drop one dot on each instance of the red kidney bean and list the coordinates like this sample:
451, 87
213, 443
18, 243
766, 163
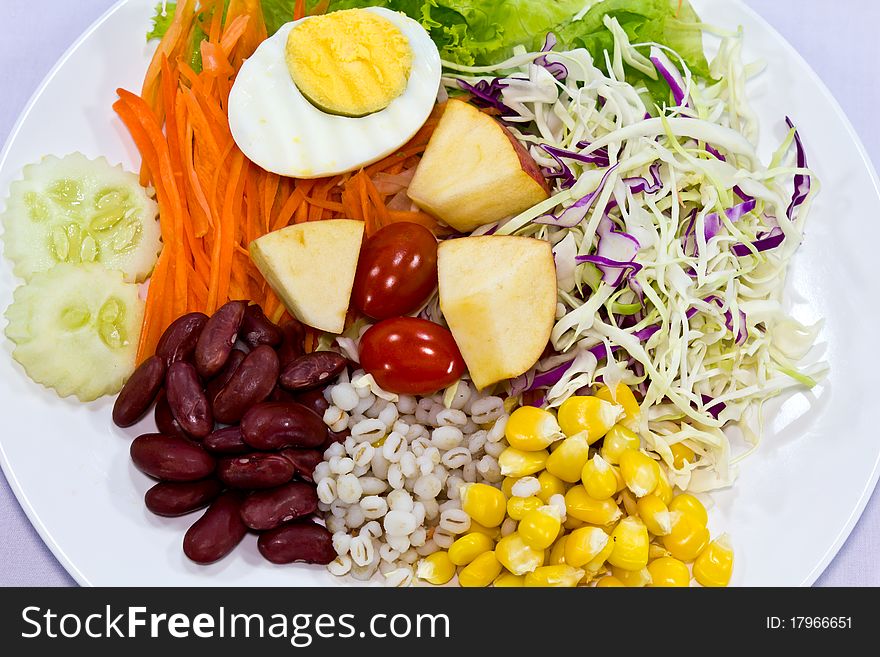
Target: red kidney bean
269, 509
218, 337
312, 370
257, 329
139, 392
250, 384
179, 340
187, 399
299, 541
274, 425
215, 385
165, 421
291, 347
216, 533
304, 461
170, 458
179, 498
279, 394
335, 437
255, 470
313, 400
226, 441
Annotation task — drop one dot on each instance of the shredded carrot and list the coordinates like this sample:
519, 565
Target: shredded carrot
213, 202
299, 9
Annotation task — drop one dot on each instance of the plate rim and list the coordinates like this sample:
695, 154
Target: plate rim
80, 578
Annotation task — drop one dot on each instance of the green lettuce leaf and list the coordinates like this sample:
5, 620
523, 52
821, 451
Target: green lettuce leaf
480, 32
667, 22
162, 20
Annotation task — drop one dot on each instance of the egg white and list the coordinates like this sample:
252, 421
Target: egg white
277, 127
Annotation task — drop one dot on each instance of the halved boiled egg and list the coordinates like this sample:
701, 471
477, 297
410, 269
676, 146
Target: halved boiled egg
329, 94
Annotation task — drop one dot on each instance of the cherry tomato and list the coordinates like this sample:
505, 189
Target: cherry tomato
397, 271
411, 356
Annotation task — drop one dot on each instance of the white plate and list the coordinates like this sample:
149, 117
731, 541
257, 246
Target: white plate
797, 497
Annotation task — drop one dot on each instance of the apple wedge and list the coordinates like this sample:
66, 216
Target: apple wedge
474, 171
498, 295
311, 267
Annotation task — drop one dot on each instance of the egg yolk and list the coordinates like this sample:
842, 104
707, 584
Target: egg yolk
349, 62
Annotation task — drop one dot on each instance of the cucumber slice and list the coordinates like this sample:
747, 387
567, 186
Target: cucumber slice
76, 210
75, 329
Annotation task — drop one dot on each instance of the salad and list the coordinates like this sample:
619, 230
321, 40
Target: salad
438, 291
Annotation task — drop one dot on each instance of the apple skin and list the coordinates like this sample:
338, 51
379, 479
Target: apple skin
311, 267
474, 172
498, 296
527, 162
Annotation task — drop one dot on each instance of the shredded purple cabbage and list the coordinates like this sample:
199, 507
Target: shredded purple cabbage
563, 172
488, 94
743, 332
600, 154
715, 153
557, 69
613, 271
638, 184
670, 73
765, 242
712, 223
801, 181
739, 192
575, 214
713, 409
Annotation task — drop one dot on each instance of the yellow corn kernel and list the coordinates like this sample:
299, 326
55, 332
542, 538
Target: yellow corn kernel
583, 545
630, 503
680, 454
640, 472
598, 562
557, 552
618, 439
507, 486
469, 547
714, 566
492, 532
657, 551
517, 463
436, 568
508, 581
539, 528
581, 506
688, 537
624, 397
588, 414
516, 555
599, 478
631, 542
654, 514
568, 459
484, 503
632, 578
532, 429
668, 572
610, 582
561, 576
664, 488
480, 572
687, 503
550, 485
518, 507
573, 523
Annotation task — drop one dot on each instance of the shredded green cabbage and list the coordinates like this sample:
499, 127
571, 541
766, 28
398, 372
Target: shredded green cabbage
693, 295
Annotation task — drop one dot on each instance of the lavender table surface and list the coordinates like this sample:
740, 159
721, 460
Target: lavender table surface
35, 33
